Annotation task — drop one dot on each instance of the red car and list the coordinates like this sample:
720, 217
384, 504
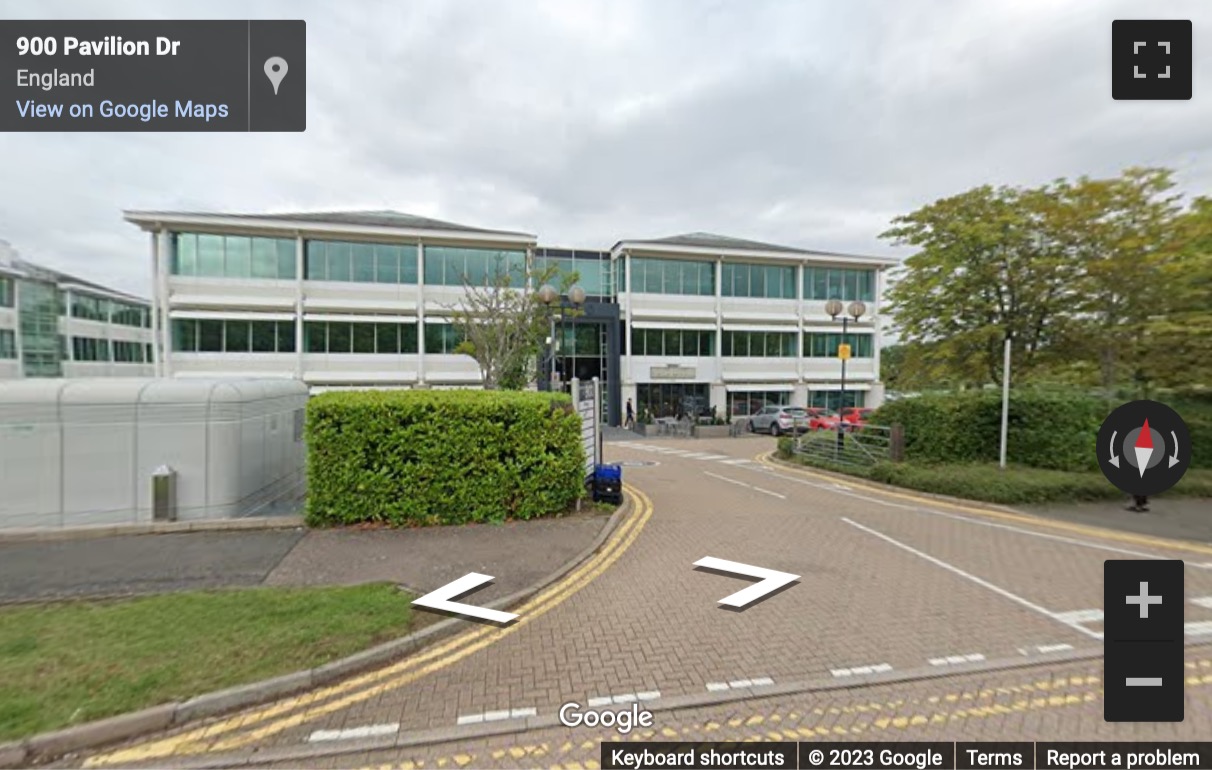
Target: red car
856, 415
852, 417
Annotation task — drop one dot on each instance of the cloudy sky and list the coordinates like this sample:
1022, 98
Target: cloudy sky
806, 122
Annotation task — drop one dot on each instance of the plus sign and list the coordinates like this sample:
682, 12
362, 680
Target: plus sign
1144, 600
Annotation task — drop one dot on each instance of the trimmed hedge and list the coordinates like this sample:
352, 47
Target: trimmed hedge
420, 458
1016, 485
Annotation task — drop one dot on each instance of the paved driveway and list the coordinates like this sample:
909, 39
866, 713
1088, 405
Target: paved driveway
892, 585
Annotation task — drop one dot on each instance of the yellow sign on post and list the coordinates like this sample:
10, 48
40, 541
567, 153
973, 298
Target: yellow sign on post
843, 351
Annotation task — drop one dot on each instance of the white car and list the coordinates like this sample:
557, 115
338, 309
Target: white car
777, 420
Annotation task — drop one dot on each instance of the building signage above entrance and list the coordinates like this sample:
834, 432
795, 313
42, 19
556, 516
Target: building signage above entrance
673, 372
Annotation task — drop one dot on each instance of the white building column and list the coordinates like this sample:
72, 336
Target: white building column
801, 392
300, 302
165, 257
421, 313
629, 381
157, 353
718, 393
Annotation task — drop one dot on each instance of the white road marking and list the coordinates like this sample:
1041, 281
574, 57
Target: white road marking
1044, 649
496, 716
715, 457
738, 684
878, 668
772, 494
979, 581
369, 731
1200, 628
627, 697
697, 455
1203, 601
1080, 616
725, 478
735, 461
955, 660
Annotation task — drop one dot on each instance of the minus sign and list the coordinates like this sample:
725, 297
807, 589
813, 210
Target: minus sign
1143, 681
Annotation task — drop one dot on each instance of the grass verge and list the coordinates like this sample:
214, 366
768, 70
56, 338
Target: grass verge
66, 663
1017, 485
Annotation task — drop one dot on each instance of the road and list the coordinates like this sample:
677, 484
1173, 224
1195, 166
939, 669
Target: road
913, 618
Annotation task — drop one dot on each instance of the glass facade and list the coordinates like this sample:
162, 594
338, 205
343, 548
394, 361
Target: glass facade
765, 281
672, 276
232, 256
824, 345
6, 291
90, 349
360, 337
453, 266
441, 338
836, 399
220, 335
620, 275
8, 343
38, 316
673, 399
90, 308
672, 342
745, 404
127, 314
361, 262
760, 344
839, 283
592, 268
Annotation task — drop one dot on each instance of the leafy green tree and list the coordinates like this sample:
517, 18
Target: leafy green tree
504, 324
985, 271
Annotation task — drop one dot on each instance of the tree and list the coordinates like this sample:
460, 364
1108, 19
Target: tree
985, 272
503, 323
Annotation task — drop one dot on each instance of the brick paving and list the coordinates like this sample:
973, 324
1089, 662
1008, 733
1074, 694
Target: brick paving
886, 584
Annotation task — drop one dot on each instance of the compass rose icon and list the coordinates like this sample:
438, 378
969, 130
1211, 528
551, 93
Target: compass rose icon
1144, 447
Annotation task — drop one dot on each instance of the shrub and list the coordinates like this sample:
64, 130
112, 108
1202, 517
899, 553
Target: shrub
441, 457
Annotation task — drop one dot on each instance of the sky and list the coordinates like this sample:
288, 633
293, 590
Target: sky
805, 123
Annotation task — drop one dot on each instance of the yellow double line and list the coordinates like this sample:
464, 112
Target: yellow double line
292, 712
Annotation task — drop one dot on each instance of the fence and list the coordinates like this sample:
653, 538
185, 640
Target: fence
862, 447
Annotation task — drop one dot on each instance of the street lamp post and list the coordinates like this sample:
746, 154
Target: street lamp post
856, 309
556, 305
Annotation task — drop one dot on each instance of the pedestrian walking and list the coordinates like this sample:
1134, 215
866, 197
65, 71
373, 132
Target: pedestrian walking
629, 421
1140, 504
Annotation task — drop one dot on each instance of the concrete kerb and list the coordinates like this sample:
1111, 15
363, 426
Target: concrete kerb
150, 528
128, 726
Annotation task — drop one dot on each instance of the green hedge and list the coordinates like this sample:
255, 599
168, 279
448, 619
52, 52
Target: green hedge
419, 458
1016, 485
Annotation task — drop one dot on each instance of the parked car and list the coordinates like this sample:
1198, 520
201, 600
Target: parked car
822, 419
856, 416
777, 420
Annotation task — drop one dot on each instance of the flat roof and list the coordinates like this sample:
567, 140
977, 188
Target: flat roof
700, 242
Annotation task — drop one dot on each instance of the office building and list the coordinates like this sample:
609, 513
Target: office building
57, 325
364, 299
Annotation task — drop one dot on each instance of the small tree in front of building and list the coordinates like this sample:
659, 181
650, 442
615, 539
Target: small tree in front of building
503, 323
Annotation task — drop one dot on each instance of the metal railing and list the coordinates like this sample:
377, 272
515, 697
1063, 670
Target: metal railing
671, 426
864, 446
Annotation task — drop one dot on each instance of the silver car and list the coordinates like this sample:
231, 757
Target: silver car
777, 420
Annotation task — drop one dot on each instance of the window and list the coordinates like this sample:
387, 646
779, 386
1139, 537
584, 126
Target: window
823, 283
232, 256
824, 344
6, 291
127, 314
449, 266
760, 344
8, 343
672, 276
90, 308
763, 281
441, 338
232, 336
361, 337
593, 268
361, 262
130, 352
756, 402
620, 275
836, 399
672, 342
90, 349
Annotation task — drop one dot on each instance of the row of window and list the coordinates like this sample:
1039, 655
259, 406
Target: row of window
361, 262
745, 404
232, 256
839, 283
767, 281
111, 311
8, 343
690, 342
121, 351
7, 295
672, 276
238, 336
593, 268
